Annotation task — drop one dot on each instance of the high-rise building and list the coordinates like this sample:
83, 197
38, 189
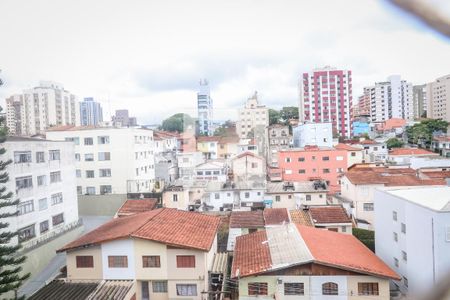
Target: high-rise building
123, 118
391, 99
438, 95
326, 96
205, 109
91, 112
362, 108
420, 100
251, 117
36, 109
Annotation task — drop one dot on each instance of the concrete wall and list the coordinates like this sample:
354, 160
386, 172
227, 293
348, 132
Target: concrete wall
100, 205
85, 273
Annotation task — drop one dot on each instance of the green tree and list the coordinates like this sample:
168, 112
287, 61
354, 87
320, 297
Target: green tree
10, 263
274, 116
367, 237
394, 143
289, 112
178, 122
422, 133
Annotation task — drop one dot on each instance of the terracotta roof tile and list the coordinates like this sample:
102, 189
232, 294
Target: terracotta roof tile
247, 219
251, 254
202, 139
436, 174
276, 216
410, 151
164, 225
134, 206
329, 214
301, 217
346, 147
345, 251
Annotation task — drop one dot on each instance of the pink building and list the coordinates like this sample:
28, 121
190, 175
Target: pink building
326, 96
312, 162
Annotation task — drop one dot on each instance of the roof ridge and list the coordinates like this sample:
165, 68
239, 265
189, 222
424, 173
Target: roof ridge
148, 220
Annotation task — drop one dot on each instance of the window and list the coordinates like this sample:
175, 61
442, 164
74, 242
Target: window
404, 256
339, 158
216, 196
287, 159
41, 180
25, 182
247, 195
301, 159
313, 158
54, 155
326, 171
185, 261
159, 286
21, 157
89, 157
329, 288
90, 174
57, 198
368, 288
396, 262
26, 233
88, 141
90, 190
308, 197
78, 173
151, 262
105, 173
405, 281
353, 154
102, 140
294, 288
186, 289
40, 157
396, 236
301, 171
105, 189
278, 198
75, 140
77, 157
58, 219
55, 177
254, 165
368, 206
43, 226
257, 288
43, 204
25, 207
79, 189
118, 261
326, 158
403, 227
394, 215
104, 156
85, 261
175, 197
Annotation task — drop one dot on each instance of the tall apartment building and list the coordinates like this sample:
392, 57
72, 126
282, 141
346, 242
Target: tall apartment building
111, 160
91, 112
36, 109
122, 118
420, 100
251, 117
205, 109
362, 108
278, 138
326, 96
42, 176
391, 99
438, 95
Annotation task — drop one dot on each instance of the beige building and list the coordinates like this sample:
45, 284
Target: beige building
150, 249
354, 155
299, 262
278, 138
293, 195
252, 115
438, 98
247, 166
184, 195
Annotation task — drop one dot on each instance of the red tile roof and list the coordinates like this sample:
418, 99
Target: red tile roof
367, 142
302, 217
343, 251
329, 214
441, 138
247, 219
276, 216
346, 147
202, 139
410, 151
134, 206
436, 174
165, 225
251, 254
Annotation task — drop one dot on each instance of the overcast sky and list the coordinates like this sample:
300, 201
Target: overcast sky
147, 56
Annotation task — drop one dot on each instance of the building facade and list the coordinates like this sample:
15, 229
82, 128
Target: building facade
420, 101
111, 160
91, 113
250, 117
438, 95
36, 109
205, 109
313, 134
326, 96
123, 118
278, 138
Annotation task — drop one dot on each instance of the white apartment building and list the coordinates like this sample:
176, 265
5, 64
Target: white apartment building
36, 109
42, 176
205, 109
420, 101
187, 161
252, 115
438, 95
412, 235
313, 134
111, 160
391, 99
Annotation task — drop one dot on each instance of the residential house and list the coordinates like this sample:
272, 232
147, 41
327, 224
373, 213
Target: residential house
228, 146
300, 262
187, 161
292, 195
167, 252
135, 206
441, 145
278, 138
403, 156
247, 166
208, 145
355, 155
331, 217
211, 170
244, 222
184, 195
374, 151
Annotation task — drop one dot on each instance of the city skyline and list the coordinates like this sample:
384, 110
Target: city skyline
237, 58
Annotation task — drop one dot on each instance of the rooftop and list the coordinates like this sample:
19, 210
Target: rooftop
329, 214
91, 127
346, 147
290, 245
164, 225
276, 216
247, 219
301, 217
295, 187
134, 206
410, 151
435, 198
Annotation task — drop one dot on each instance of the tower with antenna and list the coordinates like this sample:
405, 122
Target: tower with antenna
204, 108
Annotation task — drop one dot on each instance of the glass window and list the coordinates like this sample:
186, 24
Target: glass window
325, 158
403, 227
88, 141
257, 288
185, 261
105, 189
43, 226
216, 196
90, 174
75, 140
77, 157
186, 289
43, 204
79, 189
57, 198
368, 206
301, 159
78, 173
104, 156
105, 173
26, 233
85, 261
55, 177
118, 261
247, 195
175, 198
25, 207
277, 198
89, 157
21, 157
308, 197
54, 155
330, 288
294, 288
102, 140
42, 180
40, 157
404, 256
159, 286
25, 182
367, 288
152, 261
394, 215
90, 190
